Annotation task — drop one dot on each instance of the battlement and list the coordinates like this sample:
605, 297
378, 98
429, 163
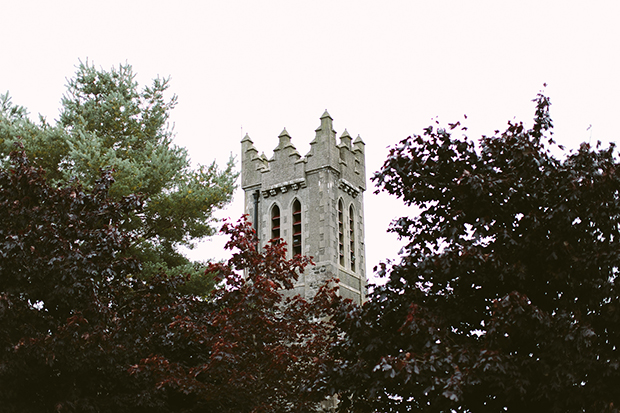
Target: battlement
287, 169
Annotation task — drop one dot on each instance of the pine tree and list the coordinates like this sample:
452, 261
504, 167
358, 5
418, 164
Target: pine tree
107, 122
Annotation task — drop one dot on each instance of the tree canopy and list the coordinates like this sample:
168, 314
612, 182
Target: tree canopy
62, 260
250, 349
108, 122
79, 332
507, 295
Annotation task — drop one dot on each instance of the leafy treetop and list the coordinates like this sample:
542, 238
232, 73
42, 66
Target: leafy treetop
79, 333
507, 294
107, 122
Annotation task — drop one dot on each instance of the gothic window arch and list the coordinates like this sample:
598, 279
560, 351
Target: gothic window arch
341, 232
275, 223
352, 236
296, 227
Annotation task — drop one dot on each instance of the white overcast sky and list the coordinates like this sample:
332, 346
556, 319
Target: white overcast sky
383, 69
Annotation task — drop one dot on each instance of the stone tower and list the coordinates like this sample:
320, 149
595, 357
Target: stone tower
314, 203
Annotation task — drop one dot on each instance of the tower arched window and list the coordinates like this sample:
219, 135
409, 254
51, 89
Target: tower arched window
296, 227
275, 223
352, 236
341, 232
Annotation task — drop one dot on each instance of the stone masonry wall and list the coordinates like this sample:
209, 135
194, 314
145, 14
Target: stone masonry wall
331, 174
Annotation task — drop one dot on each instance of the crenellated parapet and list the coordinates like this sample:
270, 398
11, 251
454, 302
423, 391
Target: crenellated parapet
345, 157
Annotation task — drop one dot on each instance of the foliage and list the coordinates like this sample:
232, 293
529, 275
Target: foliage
506, 297
252, 349
78, 333
45, 144
61, 265
108, 122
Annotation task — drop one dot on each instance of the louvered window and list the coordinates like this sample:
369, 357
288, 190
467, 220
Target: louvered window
352, 236
296, 227
341, 232
275, 223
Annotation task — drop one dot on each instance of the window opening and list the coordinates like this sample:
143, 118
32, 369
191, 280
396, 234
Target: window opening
352, 236
275, 224
340, 233
296, 227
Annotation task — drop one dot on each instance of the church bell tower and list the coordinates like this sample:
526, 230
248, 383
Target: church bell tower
314, 203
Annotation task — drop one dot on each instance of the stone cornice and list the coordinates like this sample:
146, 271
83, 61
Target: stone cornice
348, 187
284, 187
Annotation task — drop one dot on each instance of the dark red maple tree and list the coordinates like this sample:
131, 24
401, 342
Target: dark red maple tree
61, 267
248, 348
80, 332
507, 295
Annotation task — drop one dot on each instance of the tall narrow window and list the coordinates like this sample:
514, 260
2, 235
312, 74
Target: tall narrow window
296, 227
275, 223
352, 236
341, 232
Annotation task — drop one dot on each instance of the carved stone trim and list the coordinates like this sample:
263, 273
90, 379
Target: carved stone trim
284, 187
348, 187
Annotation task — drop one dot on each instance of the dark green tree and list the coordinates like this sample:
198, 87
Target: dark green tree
108, 122
507, 295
